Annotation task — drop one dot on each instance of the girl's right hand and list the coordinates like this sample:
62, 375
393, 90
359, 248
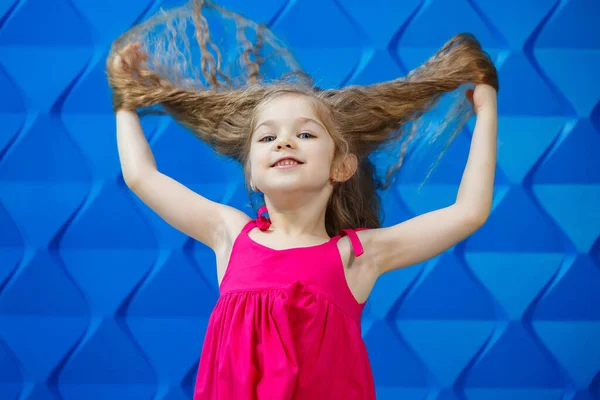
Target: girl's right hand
121, 67
482, 98
127, 59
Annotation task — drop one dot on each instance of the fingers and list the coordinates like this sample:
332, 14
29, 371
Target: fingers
133, 51
129, 57
469, 94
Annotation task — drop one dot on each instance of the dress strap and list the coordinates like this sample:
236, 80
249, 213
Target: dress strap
354, 240
249, 226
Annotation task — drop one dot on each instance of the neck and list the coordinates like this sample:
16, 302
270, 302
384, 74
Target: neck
300, 217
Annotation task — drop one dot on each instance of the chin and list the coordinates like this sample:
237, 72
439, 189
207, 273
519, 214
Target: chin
278, 187
286, 186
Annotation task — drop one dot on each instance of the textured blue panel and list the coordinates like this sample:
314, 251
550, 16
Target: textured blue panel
521, 143
529, 94
28, 292
574, 294
92, 80
375, 66
90, 133
514, 279
10, 376
431, 26
44, 23
317, 24
43, 82
580, 143
100, 298
11, 246
517, 224
380, 20
575, 209
395, 364
41, 210
573, 25
448, 171
10, 99
55, 152
446, 347
433, 298
575, 75
190, 160
514, 358
515, 27
578, 357
268, 11
113, 17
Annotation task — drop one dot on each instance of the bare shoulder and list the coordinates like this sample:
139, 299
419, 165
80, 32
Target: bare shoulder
233, 222
361, 271
366, 258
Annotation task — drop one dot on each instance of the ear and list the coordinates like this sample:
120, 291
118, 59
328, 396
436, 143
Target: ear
346, 168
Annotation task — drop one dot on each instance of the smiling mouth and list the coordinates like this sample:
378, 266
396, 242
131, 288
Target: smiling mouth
287, 163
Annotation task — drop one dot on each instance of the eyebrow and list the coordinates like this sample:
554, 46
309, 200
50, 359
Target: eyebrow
303, 120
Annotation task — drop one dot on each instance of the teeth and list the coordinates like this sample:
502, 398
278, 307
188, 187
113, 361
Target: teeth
287, 162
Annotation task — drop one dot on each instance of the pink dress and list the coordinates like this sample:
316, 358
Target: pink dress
286, 326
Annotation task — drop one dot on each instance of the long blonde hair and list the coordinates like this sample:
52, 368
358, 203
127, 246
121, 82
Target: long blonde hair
218, 105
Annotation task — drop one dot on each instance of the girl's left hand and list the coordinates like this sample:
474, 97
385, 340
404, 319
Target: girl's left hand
483, 97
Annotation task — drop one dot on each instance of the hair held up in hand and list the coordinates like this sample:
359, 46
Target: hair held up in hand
172, 64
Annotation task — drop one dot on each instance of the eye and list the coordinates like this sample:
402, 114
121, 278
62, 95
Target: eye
306, 135
267, 139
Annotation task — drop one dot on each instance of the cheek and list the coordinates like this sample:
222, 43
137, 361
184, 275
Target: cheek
326, 151
258, 156
253, 153
322, 158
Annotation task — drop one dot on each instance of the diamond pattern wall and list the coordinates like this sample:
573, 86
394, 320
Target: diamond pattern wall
99, 298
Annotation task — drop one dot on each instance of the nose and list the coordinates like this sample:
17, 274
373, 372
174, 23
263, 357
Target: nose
284, 143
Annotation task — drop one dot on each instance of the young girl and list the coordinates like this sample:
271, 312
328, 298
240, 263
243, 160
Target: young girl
293, 282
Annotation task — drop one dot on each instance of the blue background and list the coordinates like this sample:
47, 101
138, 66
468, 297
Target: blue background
101, 299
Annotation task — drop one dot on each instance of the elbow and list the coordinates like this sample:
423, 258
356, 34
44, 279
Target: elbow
475, 217
478, 218
133, 181
134, 177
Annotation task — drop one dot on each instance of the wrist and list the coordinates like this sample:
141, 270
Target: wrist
125, 111
487, 111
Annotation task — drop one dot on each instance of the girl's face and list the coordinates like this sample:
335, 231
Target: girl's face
291, 150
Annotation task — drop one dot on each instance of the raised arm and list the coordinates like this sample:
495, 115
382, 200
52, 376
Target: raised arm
136, 85
209, 222
217, 117
430, 234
